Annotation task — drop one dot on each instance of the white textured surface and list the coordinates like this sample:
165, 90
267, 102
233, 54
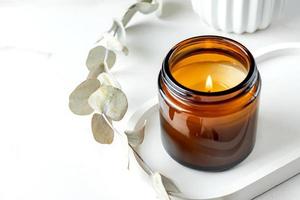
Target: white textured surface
238, 16
50, 153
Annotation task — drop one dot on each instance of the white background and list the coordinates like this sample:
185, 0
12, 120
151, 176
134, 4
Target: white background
46, 152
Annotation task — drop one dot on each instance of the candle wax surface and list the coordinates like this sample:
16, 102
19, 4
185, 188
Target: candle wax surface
193, 72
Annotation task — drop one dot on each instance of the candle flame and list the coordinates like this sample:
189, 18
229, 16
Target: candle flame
209, 83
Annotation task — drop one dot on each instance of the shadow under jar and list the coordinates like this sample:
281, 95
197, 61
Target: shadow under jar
208, 95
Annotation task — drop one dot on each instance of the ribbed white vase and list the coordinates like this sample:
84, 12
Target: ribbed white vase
238, 16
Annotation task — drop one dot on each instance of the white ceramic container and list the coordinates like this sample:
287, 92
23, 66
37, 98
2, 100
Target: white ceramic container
276, 155
238, 16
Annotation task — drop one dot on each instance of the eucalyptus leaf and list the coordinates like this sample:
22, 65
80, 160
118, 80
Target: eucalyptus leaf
110, 59
78, 99
94, 73
147, 1
96, 58
117, 105
146, 8
108, 79
128, 15
159, 187
136, 137
102, 131
169, 184
120, 30
159, 10
109, 100
114, 43
163, 185
113, 27
98, 99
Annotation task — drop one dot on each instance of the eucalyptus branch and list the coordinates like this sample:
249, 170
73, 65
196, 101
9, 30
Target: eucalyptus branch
101, 95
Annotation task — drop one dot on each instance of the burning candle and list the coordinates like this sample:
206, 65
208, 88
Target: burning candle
209, 88
211, 72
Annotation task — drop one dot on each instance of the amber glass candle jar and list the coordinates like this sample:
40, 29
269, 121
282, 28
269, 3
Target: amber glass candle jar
208, 94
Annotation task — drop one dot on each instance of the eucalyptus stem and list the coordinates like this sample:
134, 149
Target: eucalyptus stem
101, 95
145, 166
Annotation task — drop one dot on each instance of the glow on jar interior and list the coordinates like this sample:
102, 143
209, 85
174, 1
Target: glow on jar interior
209, 72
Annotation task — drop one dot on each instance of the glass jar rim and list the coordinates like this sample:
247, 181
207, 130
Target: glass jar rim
178, 88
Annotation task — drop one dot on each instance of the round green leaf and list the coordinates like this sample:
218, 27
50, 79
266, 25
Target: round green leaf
78, 99
109, 100
146, 8
102, 131
108, 79
117, 105
96, 56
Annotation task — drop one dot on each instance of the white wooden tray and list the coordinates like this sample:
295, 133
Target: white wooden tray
276, 156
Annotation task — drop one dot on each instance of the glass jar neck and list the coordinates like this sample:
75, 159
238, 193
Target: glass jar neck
198, 45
